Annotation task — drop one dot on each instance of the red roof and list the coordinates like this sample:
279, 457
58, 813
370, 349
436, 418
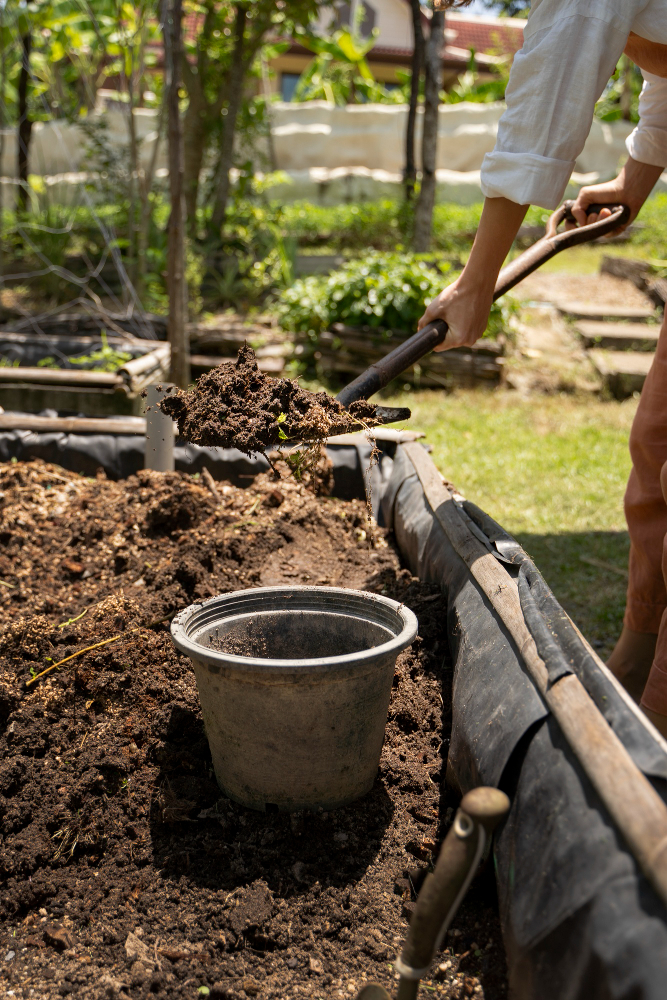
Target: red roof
486, 35
483, 35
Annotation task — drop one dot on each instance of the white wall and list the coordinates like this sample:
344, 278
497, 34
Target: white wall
56, 147
344, 153
394, 20
318, 134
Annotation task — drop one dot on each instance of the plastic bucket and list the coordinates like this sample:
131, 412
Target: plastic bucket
294, 684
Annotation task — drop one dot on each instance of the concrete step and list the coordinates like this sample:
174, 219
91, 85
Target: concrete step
623, 372
584, 310
618, 336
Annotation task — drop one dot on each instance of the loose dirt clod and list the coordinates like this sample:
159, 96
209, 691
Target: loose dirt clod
237, 406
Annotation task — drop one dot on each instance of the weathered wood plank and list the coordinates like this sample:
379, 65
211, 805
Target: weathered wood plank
61, 376
584, 310
72, 425
634, 805
623, 372
618, 336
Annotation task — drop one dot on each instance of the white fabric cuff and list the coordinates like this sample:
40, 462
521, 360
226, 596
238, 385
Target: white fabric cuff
648, 144
525, 178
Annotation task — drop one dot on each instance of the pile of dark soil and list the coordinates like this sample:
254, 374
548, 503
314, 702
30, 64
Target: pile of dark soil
237, 406
124, 872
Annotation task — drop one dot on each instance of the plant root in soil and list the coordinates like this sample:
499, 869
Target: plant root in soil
237, 406
124, 870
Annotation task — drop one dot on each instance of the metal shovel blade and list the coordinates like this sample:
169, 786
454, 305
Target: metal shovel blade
373, 992
391, 414
383, 415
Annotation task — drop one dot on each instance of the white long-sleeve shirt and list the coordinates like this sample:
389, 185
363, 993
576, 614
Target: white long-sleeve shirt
570, 50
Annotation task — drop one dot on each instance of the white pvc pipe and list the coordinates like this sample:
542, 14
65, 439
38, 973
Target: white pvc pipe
159, 454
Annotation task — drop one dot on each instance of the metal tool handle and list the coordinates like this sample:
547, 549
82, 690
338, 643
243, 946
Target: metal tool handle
404, 356
443, 890
554, 242
414, 348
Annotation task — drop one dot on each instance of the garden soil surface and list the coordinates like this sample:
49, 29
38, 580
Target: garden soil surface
124, 871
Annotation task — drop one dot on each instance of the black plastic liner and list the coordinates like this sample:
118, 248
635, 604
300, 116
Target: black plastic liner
580, 921
28, 349
122, 455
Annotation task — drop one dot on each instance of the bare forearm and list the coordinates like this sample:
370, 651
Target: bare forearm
639, 178
465, 304
498, 227
632, 187
651, 56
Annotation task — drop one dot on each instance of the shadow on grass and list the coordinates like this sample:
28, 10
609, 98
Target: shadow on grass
587, 571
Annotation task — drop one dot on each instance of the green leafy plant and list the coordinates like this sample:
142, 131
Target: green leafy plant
339, 68
387, 291
620, 97
105, 359
250, 259
473, 90
380, 290
383, 225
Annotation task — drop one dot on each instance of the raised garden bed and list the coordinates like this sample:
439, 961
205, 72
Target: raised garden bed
77, 388
581, 894
124, 870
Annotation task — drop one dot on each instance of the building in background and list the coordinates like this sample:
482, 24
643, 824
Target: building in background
493, 39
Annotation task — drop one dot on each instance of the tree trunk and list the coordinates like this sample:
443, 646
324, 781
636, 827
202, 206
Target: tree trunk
432, 79
266, 87
179, 372
194, 143
3, 84
25, 124
410, 172
145, 189
236, 79
134, 183
627, 68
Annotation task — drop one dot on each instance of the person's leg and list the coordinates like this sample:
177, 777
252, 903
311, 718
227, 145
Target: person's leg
646, 514
631, 659
654, 697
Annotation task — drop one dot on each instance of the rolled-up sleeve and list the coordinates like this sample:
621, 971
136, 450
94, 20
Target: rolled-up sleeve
570, 50
648, 142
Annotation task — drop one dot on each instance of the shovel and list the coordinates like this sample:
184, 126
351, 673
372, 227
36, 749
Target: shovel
442, 892
414, 348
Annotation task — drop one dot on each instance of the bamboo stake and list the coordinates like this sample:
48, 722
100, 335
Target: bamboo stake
632, 802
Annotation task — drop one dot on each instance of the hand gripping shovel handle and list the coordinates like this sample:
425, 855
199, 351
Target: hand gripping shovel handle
443, 890
414, 348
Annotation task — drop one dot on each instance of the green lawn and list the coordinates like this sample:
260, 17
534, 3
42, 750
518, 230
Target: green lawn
552, 470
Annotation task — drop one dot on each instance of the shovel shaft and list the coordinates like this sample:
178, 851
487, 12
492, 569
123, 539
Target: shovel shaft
411, 351
404, 356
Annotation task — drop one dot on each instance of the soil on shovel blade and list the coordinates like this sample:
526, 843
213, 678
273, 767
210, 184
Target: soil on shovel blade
124, 871
237, 406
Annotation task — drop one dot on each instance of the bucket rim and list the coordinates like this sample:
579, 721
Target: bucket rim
203, 654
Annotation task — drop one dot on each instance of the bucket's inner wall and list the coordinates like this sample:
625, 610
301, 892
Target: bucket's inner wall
294, 635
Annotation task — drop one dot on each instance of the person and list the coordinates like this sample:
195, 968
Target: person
570, 50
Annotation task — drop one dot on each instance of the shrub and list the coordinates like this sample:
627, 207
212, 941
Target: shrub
346, 228
251, 259
382, 290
